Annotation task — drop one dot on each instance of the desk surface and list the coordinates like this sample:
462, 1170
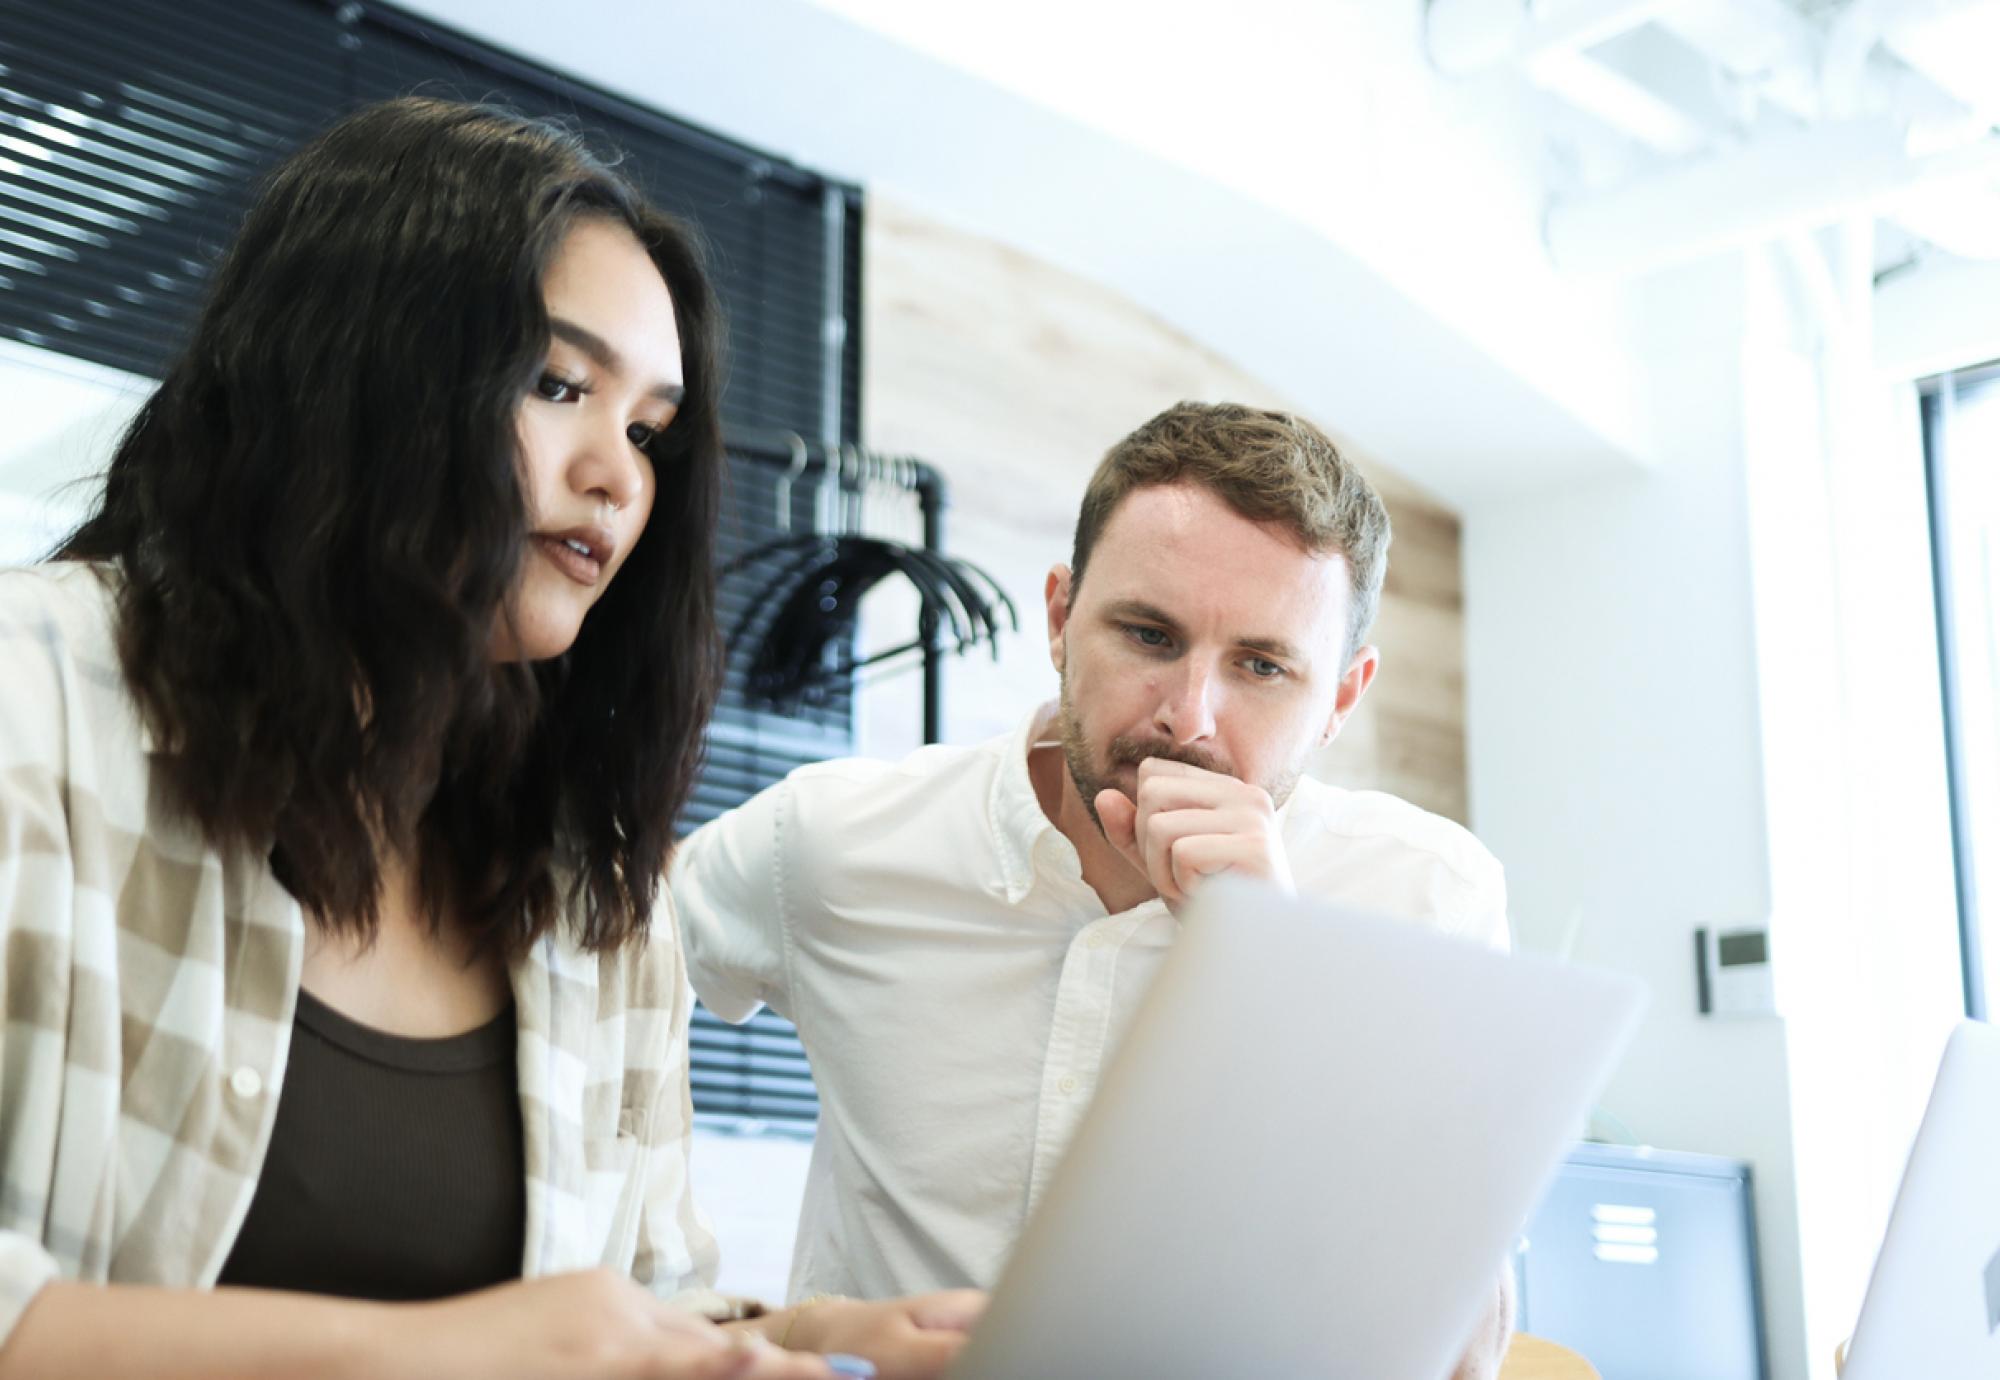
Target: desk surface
1532, 1358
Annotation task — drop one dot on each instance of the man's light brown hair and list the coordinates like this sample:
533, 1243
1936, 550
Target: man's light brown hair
1268, 466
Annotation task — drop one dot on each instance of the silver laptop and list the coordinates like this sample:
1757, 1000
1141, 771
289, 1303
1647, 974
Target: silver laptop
1310, 1156
1933, 1305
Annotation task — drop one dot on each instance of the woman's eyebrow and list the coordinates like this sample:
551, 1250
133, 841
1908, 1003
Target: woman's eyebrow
607, 358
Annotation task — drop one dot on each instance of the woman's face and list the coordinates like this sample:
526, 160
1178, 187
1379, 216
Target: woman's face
610, 385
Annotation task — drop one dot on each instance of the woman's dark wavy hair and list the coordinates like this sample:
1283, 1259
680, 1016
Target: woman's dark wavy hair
320, 513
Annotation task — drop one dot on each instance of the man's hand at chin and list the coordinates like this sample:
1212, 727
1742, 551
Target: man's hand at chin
1186, 825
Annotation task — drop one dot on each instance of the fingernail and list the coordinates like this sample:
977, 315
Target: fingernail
853, 1366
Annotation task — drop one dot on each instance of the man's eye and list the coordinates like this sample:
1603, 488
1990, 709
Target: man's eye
1149, 637
1264, 670
555, 388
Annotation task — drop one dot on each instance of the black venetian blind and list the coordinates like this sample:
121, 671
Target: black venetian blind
132, 133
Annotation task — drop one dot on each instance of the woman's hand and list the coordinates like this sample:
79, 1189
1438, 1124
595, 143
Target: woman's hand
597, 1325
911, 1338
592, 1325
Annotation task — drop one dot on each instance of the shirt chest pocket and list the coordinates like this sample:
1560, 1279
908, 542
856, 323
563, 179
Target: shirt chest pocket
615, 1190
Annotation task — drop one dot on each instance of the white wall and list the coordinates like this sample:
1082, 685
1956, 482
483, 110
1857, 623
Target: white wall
1864, 915
1314, 111
63, 416
1614, 754
1708, 697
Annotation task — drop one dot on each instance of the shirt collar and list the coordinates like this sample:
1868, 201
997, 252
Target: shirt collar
1014, 811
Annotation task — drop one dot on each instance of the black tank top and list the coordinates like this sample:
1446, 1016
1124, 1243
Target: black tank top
395, 1167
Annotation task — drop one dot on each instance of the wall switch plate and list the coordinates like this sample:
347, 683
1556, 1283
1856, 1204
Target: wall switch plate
1733, 975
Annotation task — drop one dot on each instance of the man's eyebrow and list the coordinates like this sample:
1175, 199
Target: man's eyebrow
1139, 610
1275, 648
600, 351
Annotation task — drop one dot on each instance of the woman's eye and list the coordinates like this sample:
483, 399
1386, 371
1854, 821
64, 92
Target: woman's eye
644, 435
555, 388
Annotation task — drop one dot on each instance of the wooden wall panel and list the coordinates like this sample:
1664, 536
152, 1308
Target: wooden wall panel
1013, 377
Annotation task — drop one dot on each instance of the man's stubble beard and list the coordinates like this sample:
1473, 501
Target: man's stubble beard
1129, 752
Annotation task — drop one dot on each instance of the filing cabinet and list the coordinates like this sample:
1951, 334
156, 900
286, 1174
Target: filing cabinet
1644, 1261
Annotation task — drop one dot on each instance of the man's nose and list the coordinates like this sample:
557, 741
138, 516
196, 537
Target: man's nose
1186, 711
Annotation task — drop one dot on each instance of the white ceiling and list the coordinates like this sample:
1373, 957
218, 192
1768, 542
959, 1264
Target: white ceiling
1294, 188
1720, 122
1301, 187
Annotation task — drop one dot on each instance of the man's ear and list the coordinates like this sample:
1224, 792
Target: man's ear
1360, 675
1055, 593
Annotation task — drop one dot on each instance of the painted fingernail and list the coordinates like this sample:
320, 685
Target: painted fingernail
853, 1366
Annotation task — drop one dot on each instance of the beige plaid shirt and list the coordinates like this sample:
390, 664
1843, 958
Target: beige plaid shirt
147, 984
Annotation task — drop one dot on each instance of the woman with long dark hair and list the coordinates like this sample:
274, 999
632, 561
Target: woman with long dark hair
340, 752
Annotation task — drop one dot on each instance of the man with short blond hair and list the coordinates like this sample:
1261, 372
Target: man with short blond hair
1268, 467
961, 937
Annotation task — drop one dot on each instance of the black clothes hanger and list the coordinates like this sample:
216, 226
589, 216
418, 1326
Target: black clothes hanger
818, 596
810, 604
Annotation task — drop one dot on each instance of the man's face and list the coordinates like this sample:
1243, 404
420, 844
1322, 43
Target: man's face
1199, 635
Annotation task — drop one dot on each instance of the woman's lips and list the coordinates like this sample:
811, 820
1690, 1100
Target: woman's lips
585, 570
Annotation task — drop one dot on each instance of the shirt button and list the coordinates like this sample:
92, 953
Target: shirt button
1068, 1085
246, 1082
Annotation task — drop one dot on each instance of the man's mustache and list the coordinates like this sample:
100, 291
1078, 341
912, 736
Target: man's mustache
1130, 752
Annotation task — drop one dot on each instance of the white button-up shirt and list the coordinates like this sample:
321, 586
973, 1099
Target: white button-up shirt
959, 987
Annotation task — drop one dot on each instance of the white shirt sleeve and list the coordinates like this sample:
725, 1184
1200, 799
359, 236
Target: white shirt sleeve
1486, 922
1474, 905
728, 883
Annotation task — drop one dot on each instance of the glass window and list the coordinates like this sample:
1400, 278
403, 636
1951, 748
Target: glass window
1962, 446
